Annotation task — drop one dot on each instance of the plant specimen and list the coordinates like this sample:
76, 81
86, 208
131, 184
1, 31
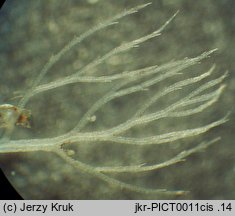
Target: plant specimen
126, 83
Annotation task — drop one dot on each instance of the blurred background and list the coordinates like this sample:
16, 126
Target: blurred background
31, 31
